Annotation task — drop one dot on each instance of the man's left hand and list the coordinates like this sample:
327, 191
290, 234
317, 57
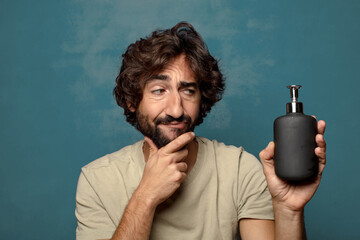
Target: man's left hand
293, 196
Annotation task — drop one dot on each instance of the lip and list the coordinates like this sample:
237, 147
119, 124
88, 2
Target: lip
178, 125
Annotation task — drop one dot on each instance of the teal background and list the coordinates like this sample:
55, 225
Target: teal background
59, 59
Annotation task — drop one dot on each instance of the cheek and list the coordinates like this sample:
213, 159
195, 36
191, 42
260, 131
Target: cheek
193, 109
153, 109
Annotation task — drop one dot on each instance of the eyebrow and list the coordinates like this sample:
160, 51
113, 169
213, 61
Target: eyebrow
167, 78
188, 84
159, 77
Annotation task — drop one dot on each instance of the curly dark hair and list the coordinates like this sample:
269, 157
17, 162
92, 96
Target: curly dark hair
149, 56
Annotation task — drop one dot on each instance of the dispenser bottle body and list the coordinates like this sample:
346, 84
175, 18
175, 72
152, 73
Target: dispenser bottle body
294, 137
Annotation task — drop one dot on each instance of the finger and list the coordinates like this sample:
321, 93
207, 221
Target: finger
322, 159
320, 141
181, 155
320, 150
321, 127
182, 166
179, 142
314, 116
266, 157
320, 153
268, 152
152, 146
183, 177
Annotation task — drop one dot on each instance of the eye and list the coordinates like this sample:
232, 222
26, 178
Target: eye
158, 91
189, 91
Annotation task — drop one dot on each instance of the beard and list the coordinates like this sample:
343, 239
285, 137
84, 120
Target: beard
156, 134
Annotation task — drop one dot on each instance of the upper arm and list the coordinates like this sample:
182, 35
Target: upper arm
256, 210
93, 222
253, 198
256, 229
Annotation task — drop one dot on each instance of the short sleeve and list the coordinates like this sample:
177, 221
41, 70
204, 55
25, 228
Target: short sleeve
254, 199
93, 222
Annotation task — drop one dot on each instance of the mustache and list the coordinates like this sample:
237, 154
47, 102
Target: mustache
170, 119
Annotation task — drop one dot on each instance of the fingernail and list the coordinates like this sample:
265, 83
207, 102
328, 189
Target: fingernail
268, 146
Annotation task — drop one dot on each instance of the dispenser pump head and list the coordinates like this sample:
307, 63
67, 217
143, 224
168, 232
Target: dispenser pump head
294, 106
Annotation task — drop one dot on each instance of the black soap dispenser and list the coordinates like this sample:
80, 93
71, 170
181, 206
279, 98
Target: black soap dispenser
294, 137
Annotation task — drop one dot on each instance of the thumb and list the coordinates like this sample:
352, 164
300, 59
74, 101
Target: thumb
266, 157
152, 146
268, 152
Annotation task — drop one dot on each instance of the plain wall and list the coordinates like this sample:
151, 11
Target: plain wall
59, 60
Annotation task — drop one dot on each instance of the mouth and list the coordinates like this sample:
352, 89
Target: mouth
175, 124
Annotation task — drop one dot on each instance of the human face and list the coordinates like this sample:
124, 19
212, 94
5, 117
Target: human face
170, 103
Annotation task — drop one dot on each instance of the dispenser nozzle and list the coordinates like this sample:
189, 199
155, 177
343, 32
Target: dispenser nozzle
294, 93
294, 106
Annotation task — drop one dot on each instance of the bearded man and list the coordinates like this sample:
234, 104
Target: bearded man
173, 184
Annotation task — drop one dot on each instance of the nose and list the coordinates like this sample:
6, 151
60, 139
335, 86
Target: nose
174, 106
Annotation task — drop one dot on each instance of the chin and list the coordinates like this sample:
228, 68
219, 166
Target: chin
163, 138
171, 137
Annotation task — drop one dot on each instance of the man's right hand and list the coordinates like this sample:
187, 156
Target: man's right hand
165, 169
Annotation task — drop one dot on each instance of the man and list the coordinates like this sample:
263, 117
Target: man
173, 185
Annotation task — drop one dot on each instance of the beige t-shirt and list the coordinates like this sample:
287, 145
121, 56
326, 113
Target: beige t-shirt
225, 185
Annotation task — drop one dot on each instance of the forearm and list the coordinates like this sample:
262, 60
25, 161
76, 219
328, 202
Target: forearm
289, 224
137, 219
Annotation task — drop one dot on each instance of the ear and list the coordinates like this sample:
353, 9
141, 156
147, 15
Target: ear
130, 106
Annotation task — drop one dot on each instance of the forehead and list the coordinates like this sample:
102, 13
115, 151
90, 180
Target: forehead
178, 68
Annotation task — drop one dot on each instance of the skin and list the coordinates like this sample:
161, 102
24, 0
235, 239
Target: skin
173, 93
165, 170
167, 166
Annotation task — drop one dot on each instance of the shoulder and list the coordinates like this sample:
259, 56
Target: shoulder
223, 149
114, 162
230, 154
218, 147
109, 159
